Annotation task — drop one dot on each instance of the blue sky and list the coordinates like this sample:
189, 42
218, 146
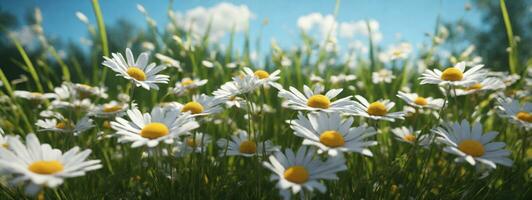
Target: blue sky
411, 18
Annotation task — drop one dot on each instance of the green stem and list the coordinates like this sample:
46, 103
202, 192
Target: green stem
30, 66
103, 34
513, 60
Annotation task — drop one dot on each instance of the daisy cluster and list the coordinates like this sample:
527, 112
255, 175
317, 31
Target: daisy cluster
330, 124
326, 121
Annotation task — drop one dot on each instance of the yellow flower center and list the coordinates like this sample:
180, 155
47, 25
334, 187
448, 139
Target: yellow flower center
409, 137
247, 147
136, 73
191, 142
524, 116
46, 167
296, 174
36, 94
186, 82
261, 74
5, 145
397, 53
106, 124
476, 86
471, 147
452, 74
377, 108
332, 139
193, 107
85, 86
421, 101
154, 130
62, 125
111, 108
319, 101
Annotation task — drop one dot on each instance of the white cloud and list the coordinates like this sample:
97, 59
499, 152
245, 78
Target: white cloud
223, 18
326, 24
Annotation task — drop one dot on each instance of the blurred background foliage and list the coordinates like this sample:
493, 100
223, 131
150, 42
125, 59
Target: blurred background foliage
490, 40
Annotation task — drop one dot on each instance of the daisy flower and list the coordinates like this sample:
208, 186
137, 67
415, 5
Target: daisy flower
139, 72
265, 77
378, 110
109, 110
239, 85
65, 126
507, 79
454, 76
519, 114
341, 78
3, 139
483, 85
188, 85
331, 134
201, 105
65, 92
85, 90
76, 104
314, 101
41, 165
408, 135
382, 75
169, 62
242, 145
35, 97
194, 143
151, 128
471, 145
297, 171
207, 64
417, 101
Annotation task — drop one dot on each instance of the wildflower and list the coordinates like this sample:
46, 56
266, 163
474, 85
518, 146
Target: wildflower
264, 77
207, 64
408, 135
65, 126
41, 165
331, 134
483, 85
314, 101
471, 145
169, 62
139, 72
36, 97
519, 114
382, 75
197, 142
109, 110
378, 110
454, 76
417, 101
295, 171
201, 105
242, 145
151, 128
188, 85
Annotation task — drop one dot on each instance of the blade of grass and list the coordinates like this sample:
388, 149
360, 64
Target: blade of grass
7, 86
513, 60
30, 66
103, 34
64, 67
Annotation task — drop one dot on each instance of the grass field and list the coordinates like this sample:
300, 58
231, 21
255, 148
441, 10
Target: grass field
191, 120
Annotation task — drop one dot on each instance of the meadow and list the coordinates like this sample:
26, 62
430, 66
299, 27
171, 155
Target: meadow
174, 115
